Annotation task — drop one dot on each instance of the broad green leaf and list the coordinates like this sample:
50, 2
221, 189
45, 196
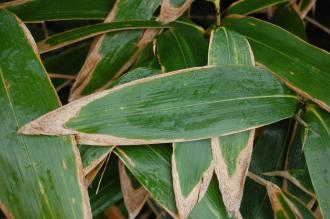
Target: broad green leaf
192, 167
111, 52
189, 104
229, 48
303, 67
92, 156
188, 49
289, 19
268, 155
232, 153
192, 170
78, 34
41, 10
41, 176
151, 165
317, 153
245, 7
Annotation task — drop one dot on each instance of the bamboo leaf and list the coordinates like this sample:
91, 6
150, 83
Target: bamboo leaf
91, 156
192, 170
42, 10
134, 198
173, 107
110, 52
245, 7
105, 189
286, 206
151, 165
191, 177
111, 57
147, 59
44, 177
317, 152
78, 34
290, 58
232, 153
289, 19
268, 155
188, 49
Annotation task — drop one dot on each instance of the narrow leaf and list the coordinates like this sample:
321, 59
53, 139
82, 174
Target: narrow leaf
115, 59
134, 198
110, 52
188, 49
41, 176
78, 34
317, 152
231, 156
42, 10
290, 58
184, 105
192, 167
285, 205
91, 156
151, 165
232, 153
245, 7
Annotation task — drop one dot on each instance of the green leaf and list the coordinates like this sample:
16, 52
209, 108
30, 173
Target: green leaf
111, 53
179, 106
192, 170
105, 189
78, 34
41, 176
289, 19
42, 10
188, 49
147, 58
151, 165
245, 7
232, 153
91, 156
268, 155
303, 67
192, 167
229, 48
285, 205
317, 153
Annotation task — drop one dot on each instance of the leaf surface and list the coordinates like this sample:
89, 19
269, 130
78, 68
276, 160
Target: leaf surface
184, 105
303, 67
45, 10
317, 151
245, 7
42, 176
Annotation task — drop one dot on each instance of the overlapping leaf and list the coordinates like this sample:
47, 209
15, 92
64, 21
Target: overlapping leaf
245, 7
184, 105
41, 176
290, 58
317, 151
192, 167
41, 10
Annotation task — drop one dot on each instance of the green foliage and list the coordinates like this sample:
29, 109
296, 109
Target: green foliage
228, 120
